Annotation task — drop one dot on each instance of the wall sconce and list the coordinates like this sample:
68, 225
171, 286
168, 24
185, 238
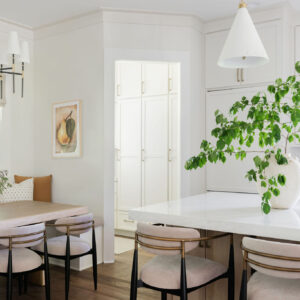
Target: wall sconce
17, 53
2, 104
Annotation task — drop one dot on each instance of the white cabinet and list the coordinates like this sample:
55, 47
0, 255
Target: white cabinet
217, 78
128, 79
155, 79
155, 149
231, 175
146, 136
129, 156
297, 43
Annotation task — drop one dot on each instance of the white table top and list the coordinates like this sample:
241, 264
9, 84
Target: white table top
228, 212
29, 212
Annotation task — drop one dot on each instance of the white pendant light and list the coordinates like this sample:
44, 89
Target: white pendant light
243, 47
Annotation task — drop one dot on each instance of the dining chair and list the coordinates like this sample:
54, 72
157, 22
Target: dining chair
172, 270
69, 246
17, 260
276, 268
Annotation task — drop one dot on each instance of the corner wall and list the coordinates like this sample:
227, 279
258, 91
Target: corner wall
69, 66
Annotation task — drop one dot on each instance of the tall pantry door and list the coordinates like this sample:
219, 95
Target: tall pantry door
128, 135
155, 133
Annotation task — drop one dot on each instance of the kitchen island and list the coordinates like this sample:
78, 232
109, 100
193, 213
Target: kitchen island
237, 213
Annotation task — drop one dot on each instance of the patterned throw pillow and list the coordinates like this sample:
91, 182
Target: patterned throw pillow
18, 192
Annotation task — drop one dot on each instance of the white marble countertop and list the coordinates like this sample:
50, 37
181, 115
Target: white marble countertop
228, 212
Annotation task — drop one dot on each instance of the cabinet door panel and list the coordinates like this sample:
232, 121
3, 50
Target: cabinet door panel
130, 155
155, 145
216, 76
173, 147
297, 44
231, 175
155, 78
128, 79
269, 34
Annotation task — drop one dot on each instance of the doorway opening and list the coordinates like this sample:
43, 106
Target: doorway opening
147, 139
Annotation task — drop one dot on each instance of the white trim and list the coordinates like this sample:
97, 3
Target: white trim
71, 24
151, 18
120, 17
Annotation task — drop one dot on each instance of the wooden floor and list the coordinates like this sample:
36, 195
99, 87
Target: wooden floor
113, 283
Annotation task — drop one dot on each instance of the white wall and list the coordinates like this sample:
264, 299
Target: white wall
16, 127
69, 66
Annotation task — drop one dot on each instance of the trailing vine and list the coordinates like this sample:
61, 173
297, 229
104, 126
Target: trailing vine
265, 123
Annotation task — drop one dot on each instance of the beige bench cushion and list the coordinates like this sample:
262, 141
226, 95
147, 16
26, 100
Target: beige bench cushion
163, 271
57, 245
23, 260
265, 287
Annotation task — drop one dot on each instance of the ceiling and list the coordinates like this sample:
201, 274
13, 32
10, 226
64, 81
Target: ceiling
36, 13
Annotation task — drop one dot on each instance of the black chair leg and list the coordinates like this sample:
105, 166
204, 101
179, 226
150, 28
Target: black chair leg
95, 274
20, 284
25, 283
183, 285
67, 269
47, 275
243, 292
231, 273
163, 296
9, 276
133, 285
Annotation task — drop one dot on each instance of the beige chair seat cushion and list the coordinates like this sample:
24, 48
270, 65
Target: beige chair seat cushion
57, 245
164, 271
23, 260
265, 287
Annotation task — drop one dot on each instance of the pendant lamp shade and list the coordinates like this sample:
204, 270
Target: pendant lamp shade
24, 57
13, 43
243, 47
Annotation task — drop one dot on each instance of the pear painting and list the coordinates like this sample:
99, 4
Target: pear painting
66, 126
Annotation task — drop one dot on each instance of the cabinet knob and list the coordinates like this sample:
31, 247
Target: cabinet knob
170, 84
143, 154
143, 87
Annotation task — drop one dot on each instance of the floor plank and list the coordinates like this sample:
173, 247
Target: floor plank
113, 283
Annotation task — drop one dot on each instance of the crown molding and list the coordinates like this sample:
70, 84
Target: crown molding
24, 32
105, 16
151, 18
67, 25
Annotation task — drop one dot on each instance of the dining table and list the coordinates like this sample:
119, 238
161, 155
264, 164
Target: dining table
21, 213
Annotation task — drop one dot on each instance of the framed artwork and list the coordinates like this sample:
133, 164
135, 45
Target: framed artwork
66, 129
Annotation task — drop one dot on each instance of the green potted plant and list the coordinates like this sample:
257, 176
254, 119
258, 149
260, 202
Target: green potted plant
4, 181
272, 122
